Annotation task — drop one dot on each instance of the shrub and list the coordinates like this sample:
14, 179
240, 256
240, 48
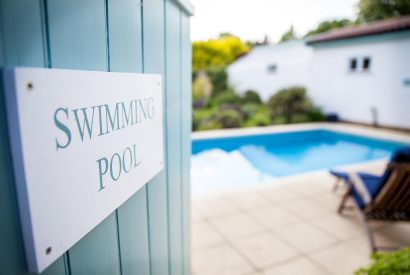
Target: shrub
397, 263
229, 118
195, 121
217, 53
316, 115
250, 110
279, 120
201, 90
292, 105
226, 97
259, 119
251, 97
201, 117
209, 124
299, 118
219, 79
231, 106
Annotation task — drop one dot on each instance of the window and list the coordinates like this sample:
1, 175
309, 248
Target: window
353, 64
272, 68
366, 63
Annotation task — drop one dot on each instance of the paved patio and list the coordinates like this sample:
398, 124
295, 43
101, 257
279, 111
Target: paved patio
289, 226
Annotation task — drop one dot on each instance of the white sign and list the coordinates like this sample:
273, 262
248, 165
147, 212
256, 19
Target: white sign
82, 144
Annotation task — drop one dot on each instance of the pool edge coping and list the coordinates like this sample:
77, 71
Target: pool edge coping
379, 133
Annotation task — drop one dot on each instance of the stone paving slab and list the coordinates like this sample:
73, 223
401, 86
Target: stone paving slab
288, 226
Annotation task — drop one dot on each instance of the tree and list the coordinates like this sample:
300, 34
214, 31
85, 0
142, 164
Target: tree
219, 79
329, 25
217, 53
289, 35
251, 96
372, 10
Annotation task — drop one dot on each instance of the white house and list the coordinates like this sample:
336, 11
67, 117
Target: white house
363, 73
268, 68
360, 73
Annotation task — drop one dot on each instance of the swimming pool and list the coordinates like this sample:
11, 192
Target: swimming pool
221, 163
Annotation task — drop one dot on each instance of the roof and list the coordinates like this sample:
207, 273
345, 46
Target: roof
374, 28
286, 44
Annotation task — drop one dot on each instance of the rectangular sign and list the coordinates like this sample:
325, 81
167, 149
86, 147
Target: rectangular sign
82, 144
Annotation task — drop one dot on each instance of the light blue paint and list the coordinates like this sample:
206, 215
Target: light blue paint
125, 36
186, 6
120, 36
186, 116
24, 47
248, 159
154, 62
23, 44
97, 252
77, 40
173, 113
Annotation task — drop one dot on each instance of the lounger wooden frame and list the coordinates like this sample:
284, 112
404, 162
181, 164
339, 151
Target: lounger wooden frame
392, 203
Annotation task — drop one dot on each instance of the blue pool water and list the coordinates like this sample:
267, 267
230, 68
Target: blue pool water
221, 163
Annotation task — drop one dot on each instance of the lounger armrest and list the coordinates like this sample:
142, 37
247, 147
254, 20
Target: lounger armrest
361, 189
399, 166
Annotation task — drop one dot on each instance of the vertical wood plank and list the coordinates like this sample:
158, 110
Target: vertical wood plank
154, 62
133, 232
97, 252
22, 33
186, 138
21, 44
58, 267
125, 36
12, 259
77, 33
78, 40
1, 37
173, 134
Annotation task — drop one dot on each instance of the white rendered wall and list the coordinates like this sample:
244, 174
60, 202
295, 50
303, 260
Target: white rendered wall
251, 71
352, 95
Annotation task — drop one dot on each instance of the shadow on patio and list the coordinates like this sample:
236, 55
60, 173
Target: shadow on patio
286, 227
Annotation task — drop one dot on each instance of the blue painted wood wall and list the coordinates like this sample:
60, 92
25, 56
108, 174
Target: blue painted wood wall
149, 234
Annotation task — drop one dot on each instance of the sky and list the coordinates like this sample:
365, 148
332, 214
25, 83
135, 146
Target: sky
253, 19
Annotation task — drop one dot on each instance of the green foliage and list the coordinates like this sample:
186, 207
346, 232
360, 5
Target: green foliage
219, 79
203, 119
251, 97
289, 35
217, 53
228, 110
229, 118
250, 110
329, 25
279, 120
226, 97
289, 102
369, 10
260, 118
372, 10
299, 118
397, 263
316, 115
201, 90
291, 105
209, 124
